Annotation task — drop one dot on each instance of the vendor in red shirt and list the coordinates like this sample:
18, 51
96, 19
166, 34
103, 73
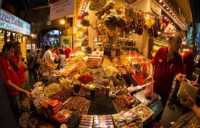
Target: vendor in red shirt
67, 52
188, 61
10, 78
18, 65
167, 63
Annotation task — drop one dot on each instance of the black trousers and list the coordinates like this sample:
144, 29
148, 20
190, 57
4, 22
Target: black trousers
7, 119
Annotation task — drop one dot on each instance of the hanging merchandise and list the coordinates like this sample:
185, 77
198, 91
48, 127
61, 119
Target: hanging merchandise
149, 21
120, 23
85, 22
135, 20
110, 22
105, 9
96, 4
153, 31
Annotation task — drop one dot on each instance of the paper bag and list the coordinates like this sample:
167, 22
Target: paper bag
186, 87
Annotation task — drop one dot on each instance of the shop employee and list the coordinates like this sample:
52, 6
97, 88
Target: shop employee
167, 64
10, 78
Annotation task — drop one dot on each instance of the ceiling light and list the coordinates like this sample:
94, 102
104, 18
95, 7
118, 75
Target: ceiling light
160, 1
62, 21
163, 5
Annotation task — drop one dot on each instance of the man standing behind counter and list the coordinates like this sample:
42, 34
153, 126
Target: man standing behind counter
167, 63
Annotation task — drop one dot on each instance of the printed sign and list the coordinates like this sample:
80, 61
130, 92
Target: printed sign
13, 23
61, 8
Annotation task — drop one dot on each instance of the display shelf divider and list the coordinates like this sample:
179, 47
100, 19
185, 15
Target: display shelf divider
67, 100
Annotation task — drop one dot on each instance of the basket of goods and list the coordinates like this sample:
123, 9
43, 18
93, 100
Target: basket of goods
85, 79
24, 119
52, 89
62, 95
26, 104
77, 105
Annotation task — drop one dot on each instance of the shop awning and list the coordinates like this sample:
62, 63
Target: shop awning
185, 8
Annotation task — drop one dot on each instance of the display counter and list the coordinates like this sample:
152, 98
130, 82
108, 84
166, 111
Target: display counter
92, 90
188, 120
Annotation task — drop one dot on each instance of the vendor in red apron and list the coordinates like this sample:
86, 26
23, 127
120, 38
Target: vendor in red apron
167, 63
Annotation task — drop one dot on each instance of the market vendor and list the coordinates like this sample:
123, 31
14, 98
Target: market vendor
67, 52
188, 61
19, 66
167, 64
10, 78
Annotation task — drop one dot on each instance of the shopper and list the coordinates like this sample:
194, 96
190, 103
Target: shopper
188, 61
7, 119
61, 59
10, 78
30, 64
167, 64
38, 60
48, 55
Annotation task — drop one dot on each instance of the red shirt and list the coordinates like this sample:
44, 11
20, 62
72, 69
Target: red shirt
20, 71
165, 72
8, 73
67, 52
188, 61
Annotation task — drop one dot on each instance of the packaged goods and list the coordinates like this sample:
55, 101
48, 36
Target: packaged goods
62, 115
127, 119
143, 111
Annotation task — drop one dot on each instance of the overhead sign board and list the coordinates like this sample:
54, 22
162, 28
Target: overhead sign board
13, 23
61, 8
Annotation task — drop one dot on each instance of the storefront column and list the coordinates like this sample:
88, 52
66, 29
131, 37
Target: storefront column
5, 36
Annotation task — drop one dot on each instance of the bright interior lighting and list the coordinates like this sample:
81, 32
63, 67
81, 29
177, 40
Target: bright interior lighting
62, 21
